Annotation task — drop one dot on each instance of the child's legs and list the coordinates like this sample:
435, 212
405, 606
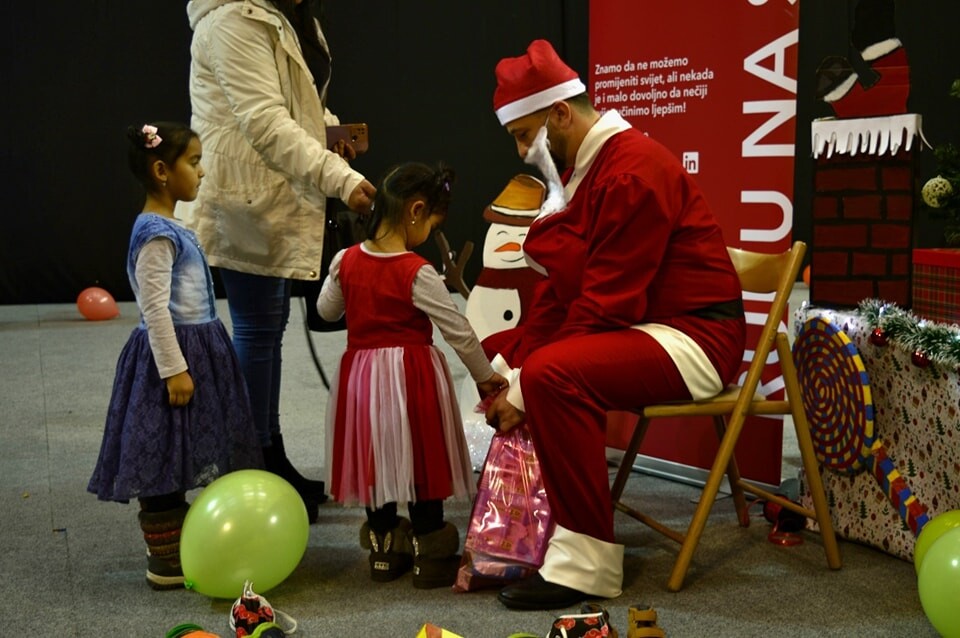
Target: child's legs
426, 516
162, 503
259, 310
384, 519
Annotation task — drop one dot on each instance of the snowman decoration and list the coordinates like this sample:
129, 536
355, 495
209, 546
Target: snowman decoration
503, 290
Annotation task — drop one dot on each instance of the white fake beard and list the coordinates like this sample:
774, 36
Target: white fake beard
539, 155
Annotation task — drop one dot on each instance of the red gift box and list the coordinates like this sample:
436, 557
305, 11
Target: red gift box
936, 284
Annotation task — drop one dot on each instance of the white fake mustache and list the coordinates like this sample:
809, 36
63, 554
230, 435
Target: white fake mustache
539, 155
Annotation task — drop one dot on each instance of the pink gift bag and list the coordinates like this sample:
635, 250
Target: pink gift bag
511, 524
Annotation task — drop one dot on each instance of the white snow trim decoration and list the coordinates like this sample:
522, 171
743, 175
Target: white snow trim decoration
869, 135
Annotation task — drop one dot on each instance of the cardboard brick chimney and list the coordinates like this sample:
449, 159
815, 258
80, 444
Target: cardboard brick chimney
863, 209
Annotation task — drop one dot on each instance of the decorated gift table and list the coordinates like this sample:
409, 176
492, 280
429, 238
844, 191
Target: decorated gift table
882, 393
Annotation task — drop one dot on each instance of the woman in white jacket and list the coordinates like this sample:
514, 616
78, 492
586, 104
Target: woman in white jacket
258, 82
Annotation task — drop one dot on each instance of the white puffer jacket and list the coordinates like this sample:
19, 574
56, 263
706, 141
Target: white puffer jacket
263, 129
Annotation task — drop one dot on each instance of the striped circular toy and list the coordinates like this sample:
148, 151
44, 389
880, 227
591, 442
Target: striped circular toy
836, 395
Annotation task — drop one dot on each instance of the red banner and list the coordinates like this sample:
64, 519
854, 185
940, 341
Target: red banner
715, 82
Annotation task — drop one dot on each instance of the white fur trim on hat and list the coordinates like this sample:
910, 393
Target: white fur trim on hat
541, 100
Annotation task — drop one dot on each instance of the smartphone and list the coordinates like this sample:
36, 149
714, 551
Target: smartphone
356, 135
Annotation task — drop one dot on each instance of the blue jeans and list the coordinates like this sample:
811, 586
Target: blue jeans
259, 310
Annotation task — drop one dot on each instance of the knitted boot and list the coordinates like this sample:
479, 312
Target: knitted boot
391, 554
435, 558
161, 531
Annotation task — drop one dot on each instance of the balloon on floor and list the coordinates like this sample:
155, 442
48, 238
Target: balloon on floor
96, 304
246, 525
939, 583
937, 527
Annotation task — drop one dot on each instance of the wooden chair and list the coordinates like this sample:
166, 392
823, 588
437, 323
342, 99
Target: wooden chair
759, 273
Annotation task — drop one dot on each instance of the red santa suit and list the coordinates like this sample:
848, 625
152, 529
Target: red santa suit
641, 305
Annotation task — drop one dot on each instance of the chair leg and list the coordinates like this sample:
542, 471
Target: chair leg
629, 456
709, 496
733, 476
620, 482
807, 454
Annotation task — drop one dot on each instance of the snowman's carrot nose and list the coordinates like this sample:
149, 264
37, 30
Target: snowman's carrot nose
510, 246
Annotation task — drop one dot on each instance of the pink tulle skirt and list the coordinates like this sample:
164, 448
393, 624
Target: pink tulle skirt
394, 432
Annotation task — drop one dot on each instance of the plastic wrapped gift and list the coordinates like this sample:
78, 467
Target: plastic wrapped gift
475, 428
511, 524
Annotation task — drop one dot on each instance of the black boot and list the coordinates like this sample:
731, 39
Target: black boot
316, 490
275, 461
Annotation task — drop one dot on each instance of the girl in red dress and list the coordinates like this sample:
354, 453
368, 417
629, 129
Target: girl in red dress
393, 424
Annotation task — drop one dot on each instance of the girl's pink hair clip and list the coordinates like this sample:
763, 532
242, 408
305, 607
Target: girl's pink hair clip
151, 139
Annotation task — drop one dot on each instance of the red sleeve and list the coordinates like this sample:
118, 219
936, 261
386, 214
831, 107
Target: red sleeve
630, 230
545, 319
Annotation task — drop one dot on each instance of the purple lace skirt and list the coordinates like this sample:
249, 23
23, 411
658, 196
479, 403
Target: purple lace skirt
150, 448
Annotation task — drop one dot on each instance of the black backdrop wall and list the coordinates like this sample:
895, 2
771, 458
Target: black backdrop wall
419, 72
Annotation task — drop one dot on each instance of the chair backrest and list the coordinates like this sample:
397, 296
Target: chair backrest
765, 273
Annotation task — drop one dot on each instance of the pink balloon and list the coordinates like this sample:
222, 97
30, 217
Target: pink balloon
96, 304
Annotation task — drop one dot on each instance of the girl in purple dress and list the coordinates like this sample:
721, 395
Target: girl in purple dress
179, 414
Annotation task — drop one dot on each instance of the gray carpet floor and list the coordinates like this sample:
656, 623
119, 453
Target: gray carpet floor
73, 566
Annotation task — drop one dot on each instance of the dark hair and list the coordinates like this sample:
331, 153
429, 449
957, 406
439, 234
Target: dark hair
142, 151
406, 181
581, 102
301, 16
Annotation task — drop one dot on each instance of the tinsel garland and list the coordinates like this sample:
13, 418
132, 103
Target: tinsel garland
939, 342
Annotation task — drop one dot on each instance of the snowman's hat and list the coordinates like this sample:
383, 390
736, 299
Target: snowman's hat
519, 203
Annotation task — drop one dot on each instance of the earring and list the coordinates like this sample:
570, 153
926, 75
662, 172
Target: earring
164, 183
413, 221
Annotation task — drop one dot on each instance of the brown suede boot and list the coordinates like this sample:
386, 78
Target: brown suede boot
391, 554
161, 531
435, 558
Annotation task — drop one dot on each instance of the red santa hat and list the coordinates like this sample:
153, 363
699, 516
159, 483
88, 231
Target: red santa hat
533, 81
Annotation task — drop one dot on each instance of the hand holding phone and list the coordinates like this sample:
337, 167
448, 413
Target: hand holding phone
356, 135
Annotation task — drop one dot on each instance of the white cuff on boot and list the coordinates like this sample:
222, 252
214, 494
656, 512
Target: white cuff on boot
584, 563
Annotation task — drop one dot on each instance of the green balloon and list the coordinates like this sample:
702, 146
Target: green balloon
929, 533
939, 584
246, 525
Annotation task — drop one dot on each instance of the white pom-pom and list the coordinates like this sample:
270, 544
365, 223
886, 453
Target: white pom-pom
936, 191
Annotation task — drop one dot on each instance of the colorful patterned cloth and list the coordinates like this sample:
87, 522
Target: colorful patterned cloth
917, 425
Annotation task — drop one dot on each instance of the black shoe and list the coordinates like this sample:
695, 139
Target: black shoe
313, 509
276, 461
536, 593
